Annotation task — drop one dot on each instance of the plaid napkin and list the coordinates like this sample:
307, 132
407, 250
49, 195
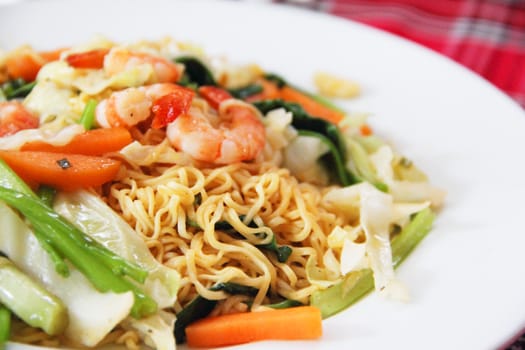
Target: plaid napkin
487, 36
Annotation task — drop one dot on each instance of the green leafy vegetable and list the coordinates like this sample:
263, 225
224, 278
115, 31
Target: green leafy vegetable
285, 304
17, 88
195, 72
344, 177
246, 91
281, 251
234, 289
317, 127
359, 283
197, 309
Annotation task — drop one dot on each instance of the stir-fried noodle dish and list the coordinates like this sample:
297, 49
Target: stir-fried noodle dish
152, 194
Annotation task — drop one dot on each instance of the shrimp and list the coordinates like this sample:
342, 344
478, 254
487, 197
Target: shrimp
129, 107
235, 133
15, 117
164, 71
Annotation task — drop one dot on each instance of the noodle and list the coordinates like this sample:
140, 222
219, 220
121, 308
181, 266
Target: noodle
160, 207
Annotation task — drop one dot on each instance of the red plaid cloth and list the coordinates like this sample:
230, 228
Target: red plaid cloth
487, 36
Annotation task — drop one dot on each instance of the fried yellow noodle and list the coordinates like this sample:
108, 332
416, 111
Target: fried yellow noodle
175, 210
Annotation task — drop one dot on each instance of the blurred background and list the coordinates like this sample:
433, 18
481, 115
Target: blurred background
486, 36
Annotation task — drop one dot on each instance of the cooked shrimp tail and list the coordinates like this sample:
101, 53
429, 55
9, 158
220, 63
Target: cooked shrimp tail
232, 132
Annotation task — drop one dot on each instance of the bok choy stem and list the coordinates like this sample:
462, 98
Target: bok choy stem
83, 253
30, 301
5, 325
359, 283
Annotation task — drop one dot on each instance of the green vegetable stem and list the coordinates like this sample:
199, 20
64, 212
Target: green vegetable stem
87, 119
29, 301
5, 325
359, 283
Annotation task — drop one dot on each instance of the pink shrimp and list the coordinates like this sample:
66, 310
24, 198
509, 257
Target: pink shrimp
232, 135
15, 117
164, 71
131, 106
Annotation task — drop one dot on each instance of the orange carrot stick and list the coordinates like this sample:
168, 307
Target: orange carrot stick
94, 142
60, 170
311, 106
303, 322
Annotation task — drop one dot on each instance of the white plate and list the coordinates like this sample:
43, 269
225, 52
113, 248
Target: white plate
467, 277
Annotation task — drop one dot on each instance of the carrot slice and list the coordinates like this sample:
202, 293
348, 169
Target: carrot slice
365, 130
60, 170
93, 59
26, 63
23, 65
52, 55
303, 322
94, 142
311, 106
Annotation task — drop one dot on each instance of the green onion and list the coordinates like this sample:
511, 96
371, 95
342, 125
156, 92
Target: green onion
87, 119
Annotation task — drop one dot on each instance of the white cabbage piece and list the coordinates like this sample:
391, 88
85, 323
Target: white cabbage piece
95, 217
156, 330
60, 138
92, 215
279, 131
377, 212
51, 100
404, 191
352, 252
93, 81
92, 314
323, 276
302, 158
145, 155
